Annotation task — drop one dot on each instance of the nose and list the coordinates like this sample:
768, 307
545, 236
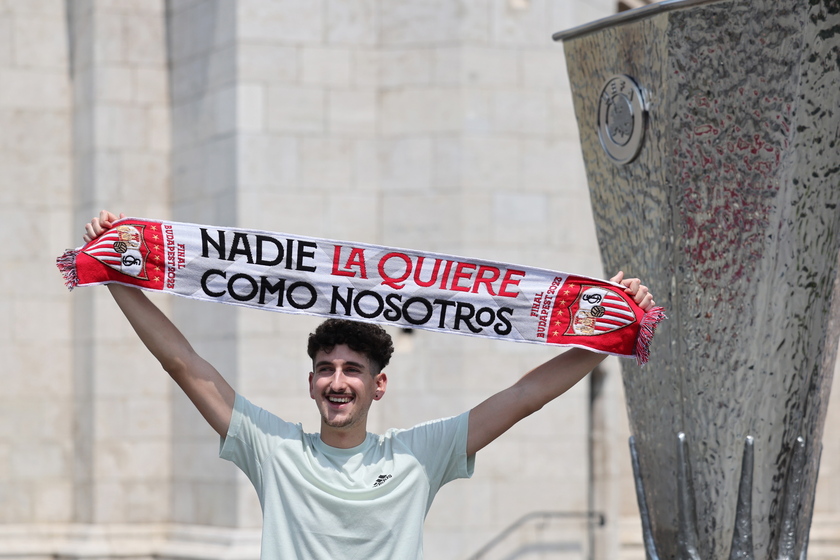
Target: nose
338, 381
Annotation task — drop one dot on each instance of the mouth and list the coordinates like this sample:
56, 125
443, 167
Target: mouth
339, 399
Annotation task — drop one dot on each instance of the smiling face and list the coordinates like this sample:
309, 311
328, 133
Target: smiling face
344, 385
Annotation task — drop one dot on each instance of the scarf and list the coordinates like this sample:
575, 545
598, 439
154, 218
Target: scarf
385, 285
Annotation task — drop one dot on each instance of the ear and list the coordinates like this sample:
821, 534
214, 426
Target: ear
381, 381
311, 386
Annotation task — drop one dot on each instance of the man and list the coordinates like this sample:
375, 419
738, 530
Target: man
343, 492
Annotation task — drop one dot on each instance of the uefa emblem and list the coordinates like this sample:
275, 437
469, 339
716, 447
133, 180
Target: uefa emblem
621, 119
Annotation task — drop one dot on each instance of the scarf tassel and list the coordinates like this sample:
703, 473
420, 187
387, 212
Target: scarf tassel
67, 266
647, 329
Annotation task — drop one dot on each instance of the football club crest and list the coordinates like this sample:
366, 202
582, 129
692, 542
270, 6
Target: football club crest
598, 310
123, 249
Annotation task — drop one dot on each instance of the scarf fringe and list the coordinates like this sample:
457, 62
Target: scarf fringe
647, 329
67, 266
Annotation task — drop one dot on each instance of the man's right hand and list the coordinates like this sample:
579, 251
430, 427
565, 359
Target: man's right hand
97, 226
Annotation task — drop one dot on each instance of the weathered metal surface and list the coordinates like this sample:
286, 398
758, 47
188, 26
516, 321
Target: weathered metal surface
730, 212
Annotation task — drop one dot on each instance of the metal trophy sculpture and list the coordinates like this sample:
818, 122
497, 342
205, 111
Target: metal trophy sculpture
711, 134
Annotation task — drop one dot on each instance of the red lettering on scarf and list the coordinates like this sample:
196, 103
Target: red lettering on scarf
395, 268
355, 260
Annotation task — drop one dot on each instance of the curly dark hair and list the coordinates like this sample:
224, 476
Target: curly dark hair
365, 338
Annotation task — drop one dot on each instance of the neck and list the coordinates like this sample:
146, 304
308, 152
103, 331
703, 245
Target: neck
343, 438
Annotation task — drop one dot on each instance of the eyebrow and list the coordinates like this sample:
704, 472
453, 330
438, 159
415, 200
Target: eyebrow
329, 363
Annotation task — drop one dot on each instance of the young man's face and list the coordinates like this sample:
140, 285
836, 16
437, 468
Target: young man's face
344, 386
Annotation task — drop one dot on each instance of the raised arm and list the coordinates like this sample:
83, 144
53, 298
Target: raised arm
541, 385
202, 383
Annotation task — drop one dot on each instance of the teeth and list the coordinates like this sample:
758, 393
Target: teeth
339, 399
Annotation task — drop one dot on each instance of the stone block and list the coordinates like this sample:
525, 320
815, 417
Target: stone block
36, 460
325, 163
120, 127
296, 109
267, 162
108, 502
352, 217
521, 22
5, 459
114, 84
423, 22
366, 166
25, 246
549, 165
142, 7
149, 417
520, 219
281, 21
476, 26
160, 129
40, 42
446, 162
144, 175
29, 316
16, 497
267, 63
151, 85
192, 503
352, 112
109, 37
201, 29
144, 39
147, 502
52, 501
521, 112
321, 66
406, 67
546, 69
573, 211
417, 111
6, 41
490, 67
220, 165
351, 22
562, 116
478, 114
406, 163
476, 219
364, 67
406, 221
491, 162
586, 11
446, 66
40, 90
194, 78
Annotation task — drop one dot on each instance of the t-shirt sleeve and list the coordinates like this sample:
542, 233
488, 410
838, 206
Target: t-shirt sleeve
441, 447
251, 437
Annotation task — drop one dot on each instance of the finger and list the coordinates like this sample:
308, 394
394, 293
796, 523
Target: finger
618, 277
641, 293
631, 285
90, 235
107, 218
96, 227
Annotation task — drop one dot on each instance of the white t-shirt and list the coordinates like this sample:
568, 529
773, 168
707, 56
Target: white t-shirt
366, 502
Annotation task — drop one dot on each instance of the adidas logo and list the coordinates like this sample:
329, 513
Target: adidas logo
381, 480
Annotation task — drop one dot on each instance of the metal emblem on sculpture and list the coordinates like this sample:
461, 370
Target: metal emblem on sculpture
621, 119
731, 215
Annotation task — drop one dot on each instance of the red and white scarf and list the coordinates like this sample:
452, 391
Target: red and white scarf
386, 285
